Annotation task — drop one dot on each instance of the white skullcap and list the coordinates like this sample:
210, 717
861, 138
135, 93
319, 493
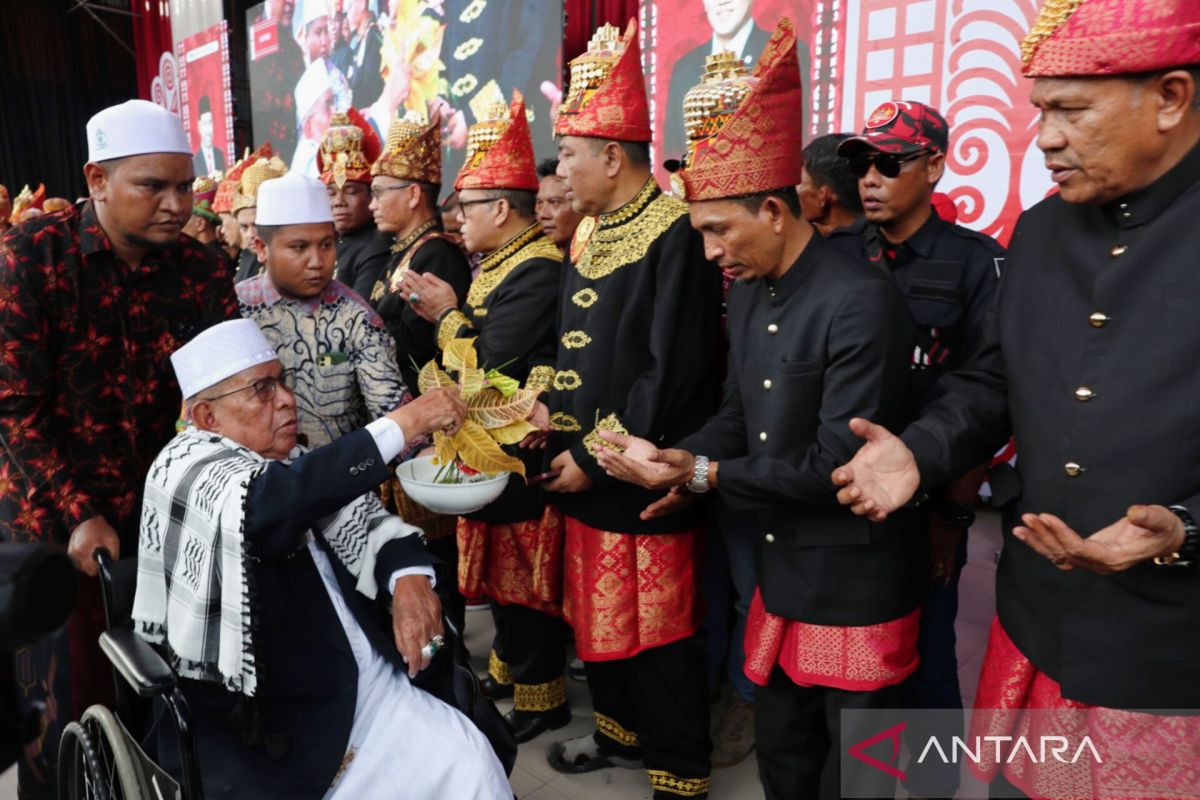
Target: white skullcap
219, 352
313, 11
311, 87
134, 128
294, 199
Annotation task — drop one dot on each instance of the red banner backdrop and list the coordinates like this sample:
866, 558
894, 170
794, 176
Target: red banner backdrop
206, 97
958, 56
151, 38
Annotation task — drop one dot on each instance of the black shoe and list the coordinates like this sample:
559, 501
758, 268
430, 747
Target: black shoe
495, 690
528, 725
576, 671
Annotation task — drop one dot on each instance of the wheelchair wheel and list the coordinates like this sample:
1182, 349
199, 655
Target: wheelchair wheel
114, 753
80, 776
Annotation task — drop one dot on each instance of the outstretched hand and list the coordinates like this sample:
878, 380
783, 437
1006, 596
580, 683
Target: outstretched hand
881, 477
1144, 532
644, 464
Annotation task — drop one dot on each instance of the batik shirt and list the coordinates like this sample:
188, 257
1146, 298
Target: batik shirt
343, 358
87, 393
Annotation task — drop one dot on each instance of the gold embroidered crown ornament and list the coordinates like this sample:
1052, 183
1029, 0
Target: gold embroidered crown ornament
412, 150
745, 132
500, 151
708, 105
606, 96
1111, 37
258, 173
348, 149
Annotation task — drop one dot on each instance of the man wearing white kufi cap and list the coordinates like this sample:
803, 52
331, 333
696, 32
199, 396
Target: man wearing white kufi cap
298, 684
314, 109
343, 356
95, 298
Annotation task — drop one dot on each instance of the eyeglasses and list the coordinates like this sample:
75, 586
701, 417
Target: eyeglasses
264, 388
888, 164
379, 191
464, 204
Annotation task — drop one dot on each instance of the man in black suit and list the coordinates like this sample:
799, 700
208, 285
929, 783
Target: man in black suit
273, 725
734, 29
814, 336
208, 159
360, 58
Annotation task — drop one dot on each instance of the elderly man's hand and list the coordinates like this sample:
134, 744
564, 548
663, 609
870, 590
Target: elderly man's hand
89, 536
440, 409
416, 619
1145, 532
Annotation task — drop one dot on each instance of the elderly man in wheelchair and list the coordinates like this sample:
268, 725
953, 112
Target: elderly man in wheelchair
266, 575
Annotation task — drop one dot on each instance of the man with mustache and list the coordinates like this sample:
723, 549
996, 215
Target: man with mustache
1083, 363
95, 298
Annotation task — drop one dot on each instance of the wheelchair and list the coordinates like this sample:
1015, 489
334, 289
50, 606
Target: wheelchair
98, 758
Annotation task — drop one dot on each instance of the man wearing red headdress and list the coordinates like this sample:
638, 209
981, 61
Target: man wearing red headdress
510, 551
347, 152
638, 319
1097, 590
816, 338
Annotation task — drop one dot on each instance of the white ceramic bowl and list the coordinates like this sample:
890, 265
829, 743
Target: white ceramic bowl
416, 478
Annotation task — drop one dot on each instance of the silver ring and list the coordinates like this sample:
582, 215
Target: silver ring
435, 644
414, 299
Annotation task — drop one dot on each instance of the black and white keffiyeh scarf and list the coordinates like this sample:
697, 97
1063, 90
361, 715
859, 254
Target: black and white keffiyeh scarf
193, 583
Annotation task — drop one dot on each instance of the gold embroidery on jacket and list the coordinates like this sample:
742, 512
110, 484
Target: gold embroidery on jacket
562, 421
529, 243
576, 340
585, 298
623, 237
567, 380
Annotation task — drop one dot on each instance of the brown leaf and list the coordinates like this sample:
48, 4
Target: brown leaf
460, 354
479, 451
470, 381
491, 409
430, 377
446, 451
513, 434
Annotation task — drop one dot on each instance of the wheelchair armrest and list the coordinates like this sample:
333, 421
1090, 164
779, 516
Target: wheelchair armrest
139, 664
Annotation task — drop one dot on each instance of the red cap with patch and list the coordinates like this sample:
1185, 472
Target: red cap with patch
900, 127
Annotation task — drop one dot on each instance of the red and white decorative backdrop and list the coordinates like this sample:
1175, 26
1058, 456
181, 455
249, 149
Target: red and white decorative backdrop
961, 56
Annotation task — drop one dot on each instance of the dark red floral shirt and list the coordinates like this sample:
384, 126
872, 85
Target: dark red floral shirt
87, 393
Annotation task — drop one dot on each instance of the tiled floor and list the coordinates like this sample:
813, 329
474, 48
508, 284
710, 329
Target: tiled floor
533, 779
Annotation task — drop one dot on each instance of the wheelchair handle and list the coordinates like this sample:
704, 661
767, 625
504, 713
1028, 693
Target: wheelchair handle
104, 564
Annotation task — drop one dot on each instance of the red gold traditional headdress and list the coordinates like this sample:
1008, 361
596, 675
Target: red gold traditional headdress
1111, 37
348, 150
745, 132
606, 98
412, 151
500, 151
227, 189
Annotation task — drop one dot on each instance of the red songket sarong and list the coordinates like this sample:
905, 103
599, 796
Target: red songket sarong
1142, 755
624, 593
515, 564
857, 659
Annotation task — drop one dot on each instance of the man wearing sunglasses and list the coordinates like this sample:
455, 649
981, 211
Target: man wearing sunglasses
949, 276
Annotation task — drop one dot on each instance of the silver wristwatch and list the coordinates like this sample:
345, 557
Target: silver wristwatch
699, 482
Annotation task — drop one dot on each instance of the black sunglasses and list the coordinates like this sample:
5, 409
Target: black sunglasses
264, 388
888, 164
